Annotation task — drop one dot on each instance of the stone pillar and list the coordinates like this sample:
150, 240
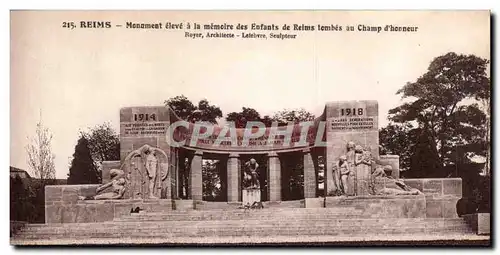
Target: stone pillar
349, 121
274, 177
196, 186
309, 175
233, 178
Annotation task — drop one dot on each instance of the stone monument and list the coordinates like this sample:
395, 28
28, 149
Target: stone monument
251, 184
152, 170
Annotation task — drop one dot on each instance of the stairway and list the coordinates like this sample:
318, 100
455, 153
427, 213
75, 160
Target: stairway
249, 226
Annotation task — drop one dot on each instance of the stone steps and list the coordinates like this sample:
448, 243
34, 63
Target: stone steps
285, 226
133, 221
228, 224
235, 228
293, 222
303, 214
229, 232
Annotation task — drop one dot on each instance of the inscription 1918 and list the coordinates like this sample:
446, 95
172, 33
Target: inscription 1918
145, 117
353, 111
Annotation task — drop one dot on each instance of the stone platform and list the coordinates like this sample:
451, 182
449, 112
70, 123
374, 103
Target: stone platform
431, 216
247, 227
63, 206
441, 195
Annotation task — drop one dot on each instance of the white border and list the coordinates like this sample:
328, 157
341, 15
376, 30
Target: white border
198, 5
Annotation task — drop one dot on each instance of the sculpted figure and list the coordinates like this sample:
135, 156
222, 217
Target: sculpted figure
151, 169
337, 185
146, 171
251, 175
386, 185
344, 170
351, 161
380, 171
362, 156
118, 187
350, 154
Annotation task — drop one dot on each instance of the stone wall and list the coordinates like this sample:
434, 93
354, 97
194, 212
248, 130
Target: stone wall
62, 205
380, 206
441, 195
438, 201
419, 206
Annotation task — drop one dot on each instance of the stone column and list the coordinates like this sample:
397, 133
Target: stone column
233, 178
196, 186
274, 177
309, 175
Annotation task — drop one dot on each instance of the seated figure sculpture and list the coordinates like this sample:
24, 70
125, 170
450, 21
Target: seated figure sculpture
250, 174
384, 184
118, 187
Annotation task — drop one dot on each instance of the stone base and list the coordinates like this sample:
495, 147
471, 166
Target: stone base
441, 207
209, 205
183, 205
317, 202
101, 210
407, 206
479, 222
380, 206
284, 204
249, 196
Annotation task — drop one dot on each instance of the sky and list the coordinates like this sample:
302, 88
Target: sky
78, 78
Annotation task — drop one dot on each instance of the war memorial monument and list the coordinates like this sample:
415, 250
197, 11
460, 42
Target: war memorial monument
145, 199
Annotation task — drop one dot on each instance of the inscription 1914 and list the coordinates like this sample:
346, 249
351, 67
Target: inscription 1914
145, 117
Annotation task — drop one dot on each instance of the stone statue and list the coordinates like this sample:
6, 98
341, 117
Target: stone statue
337, 185
344, 170
350, 154
152, 170
251, 175
380, 171
384, 184
118, 187
147, 170
351, 161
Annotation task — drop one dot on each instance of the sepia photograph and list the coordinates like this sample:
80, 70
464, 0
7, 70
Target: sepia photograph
250, 128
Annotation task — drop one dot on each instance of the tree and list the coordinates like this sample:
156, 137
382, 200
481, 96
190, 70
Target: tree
209, 113
292, 115
212, 184
40, 156
282, 117
240, 119
186, 110
442, 104
83, 169
424, 161
19, 198
398, 140
103, 143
